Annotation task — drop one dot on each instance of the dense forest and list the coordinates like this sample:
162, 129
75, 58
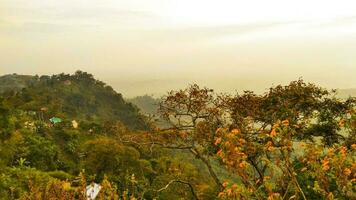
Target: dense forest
63, 132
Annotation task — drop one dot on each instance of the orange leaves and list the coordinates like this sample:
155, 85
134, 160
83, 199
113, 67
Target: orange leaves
277, 125
269, 146
347, 171
221, 195
234, 186
227, 144
225, 184
229, 192
243, 164
217, 141
285, 122
220, 153
242, 141
353, 146
273, 196
316, 161
235, 131
232, 192
325, 164
273, 133
232, 148
343, 151
329, 164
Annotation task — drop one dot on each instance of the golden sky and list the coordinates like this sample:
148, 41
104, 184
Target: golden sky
150, 46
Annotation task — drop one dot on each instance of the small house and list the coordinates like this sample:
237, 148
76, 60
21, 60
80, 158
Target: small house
55, 120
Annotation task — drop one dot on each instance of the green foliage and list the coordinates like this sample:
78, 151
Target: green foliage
77, 96
14, 182
6, 123
42, 153
105, 156
185, 158
61, 175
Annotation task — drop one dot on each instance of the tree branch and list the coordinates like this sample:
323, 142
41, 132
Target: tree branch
182, 182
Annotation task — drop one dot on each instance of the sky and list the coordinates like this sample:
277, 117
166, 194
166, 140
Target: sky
152, 46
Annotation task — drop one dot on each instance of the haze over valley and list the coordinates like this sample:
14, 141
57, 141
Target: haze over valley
177, 99
140, 46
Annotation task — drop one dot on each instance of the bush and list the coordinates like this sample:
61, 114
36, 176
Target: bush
61, 175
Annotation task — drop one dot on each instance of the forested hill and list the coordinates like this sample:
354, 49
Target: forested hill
146, 103
15, 82
78, 96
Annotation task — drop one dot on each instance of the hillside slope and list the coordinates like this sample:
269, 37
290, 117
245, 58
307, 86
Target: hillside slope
46, 153
77, 96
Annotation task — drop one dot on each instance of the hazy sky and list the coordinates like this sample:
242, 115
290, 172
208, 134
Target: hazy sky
151, 46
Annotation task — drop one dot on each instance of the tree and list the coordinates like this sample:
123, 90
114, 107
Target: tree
193, 115
6, 125
42, 154
121, 163
253, 135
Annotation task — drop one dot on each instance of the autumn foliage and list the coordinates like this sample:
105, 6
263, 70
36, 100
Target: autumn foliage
292, 142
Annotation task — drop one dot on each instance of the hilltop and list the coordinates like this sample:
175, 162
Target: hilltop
146, 103
79, 96
15, 82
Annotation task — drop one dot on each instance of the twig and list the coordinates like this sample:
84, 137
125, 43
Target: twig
182, 182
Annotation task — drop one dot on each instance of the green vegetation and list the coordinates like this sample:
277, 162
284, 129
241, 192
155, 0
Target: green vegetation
36, 152
59, 133
79, 96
